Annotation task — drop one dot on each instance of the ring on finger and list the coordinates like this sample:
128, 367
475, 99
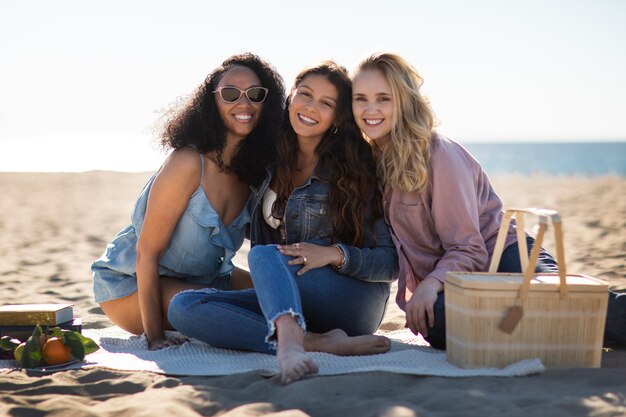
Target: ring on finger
297, 245
304, 260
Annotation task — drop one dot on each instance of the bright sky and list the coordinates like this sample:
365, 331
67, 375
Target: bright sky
82, 82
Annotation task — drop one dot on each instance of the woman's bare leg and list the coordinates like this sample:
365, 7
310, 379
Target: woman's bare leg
240, 279
124, 312
338, 342
293, 361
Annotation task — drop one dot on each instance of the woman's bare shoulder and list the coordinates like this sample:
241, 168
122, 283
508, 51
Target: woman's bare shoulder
182, 166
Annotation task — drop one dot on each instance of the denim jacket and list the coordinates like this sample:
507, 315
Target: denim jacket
306, 221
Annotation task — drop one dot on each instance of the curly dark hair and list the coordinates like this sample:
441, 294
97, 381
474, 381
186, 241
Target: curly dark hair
197, 122
343, 155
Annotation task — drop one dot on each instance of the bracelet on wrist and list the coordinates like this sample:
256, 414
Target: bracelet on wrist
343, 257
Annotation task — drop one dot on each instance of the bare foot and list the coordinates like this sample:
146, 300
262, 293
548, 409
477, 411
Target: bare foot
338, 342
294, 363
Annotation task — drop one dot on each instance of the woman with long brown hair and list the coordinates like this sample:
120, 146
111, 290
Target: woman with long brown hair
322, 258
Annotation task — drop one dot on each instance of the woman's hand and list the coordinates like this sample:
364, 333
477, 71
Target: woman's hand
421, 306
311, 256
165, 341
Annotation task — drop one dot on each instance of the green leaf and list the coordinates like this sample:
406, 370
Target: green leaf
72, 340
89, 345
32, 356
56, 332
8, 343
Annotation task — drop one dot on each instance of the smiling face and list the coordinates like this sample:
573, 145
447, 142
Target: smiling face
312, 107
240, 117
372, 105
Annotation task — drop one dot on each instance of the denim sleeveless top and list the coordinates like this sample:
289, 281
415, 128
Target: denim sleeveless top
200, 250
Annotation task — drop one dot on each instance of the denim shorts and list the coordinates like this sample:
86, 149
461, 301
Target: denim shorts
109, 284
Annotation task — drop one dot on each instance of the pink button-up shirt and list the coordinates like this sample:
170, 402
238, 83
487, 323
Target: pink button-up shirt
451, 225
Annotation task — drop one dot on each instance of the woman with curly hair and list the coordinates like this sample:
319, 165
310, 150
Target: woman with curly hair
190, 218
443, 211
322, 258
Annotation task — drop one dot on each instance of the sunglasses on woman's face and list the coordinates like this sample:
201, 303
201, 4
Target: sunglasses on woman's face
233, 94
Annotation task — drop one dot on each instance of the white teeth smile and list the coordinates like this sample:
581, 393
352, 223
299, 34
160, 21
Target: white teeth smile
307, 120
243, 117
373, 122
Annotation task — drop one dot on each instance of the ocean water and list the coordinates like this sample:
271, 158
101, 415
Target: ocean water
138, 153
562, 159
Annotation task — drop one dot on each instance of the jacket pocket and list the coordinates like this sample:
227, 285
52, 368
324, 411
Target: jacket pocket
317, 221
411, 220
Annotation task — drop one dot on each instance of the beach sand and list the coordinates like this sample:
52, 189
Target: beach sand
52, 226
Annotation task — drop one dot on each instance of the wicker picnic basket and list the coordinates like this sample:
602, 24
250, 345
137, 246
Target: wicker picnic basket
495, 319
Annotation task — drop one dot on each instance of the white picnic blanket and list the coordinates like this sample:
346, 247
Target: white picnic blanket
409, 354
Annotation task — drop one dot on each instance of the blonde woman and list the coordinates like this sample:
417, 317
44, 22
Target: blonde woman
443, 211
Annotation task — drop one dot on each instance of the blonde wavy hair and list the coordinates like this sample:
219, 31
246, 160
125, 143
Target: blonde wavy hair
404, 163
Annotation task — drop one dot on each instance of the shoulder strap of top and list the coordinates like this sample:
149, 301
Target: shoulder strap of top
202, 173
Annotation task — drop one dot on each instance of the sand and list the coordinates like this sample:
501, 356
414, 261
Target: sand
52, 226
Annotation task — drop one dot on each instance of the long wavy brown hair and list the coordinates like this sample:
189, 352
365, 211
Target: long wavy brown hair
345, 161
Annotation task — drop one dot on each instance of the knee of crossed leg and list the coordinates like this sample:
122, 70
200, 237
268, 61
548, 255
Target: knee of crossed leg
178, 312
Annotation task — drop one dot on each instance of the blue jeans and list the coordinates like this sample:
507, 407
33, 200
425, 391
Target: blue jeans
320, 300
509, 262
615, 329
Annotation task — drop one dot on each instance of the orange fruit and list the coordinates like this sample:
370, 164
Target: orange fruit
55, 352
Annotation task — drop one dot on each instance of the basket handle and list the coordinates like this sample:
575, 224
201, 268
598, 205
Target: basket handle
529, 265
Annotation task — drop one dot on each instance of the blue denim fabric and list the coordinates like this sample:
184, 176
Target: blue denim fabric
307, 221
353, 299
321, 300
615, 329
224, 319
200, 250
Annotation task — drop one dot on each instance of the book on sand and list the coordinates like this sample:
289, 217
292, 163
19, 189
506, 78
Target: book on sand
23, 332
33, 314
